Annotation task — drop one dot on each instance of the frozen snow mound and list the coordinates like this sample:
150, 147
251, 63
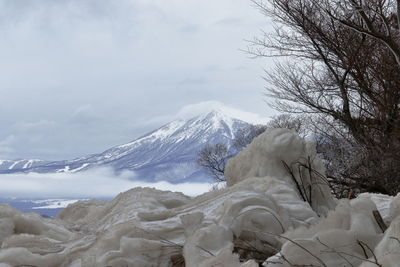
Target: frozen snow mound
348, 236
147, 227
284, 155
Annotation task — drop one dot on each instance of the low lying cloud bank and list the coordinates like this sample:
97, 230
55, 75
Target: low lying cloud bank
95, 183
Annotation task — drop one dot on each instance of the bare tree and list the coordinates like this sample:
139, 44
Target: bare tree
213, 158
344, 65
288, 121
245, 135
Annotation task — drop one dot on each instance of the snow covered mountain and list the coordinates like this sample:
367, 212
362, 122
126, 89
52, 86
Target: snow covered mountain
168, 153
20, 164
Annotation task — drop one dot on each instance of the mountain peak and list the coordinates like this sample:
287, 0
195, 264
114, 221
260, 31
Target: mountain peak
217, 114
221, 110
218, 119
167, 153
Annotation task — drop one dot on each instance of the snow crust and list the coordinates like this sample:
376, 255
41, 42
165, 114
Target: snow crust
261, 208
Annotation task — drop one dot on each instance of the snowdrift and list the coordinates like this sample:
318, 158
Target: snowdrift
276, 206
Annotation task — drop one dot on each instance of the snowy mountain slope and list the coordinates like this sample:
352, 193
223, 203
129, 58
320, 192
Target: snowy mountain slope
168, 153
21, 164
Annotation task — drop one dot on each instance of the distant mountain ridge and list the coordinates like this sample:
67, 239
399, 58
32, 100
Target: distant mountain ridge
20, 164
168, 153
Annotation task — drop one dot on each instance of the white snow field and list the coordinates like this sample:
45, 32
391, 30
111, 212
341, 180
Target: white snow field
260, 212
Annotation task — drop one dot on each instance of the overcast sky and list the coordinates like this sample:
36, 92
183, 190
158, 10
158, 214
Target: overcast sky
80, 76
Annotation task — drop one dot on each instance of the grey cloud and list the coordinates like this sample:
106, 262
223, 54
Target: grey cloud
190, 28
20, 10
86, 115
6, 145
81, 76
232, 21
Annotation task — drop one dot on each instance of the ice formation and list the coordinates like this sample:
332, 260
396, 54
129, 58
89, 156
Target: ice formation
348, 236
282, 154
273, 207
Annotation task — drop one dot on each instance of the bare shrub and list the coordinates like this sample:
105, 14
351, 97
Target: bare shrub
213, 158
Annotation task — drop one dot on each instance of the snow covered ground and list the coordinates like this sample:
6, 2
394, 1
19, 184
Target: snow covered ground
261, 217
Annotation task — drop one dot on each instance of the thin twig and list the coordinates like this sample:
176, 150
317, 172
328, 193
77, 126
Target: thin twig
294, 179
395, 238
341, 256
297, 244
379, 220
372, 252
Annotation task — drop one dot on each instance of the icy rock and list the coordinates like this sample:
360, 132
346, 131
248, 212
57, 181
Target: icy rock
167, 225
